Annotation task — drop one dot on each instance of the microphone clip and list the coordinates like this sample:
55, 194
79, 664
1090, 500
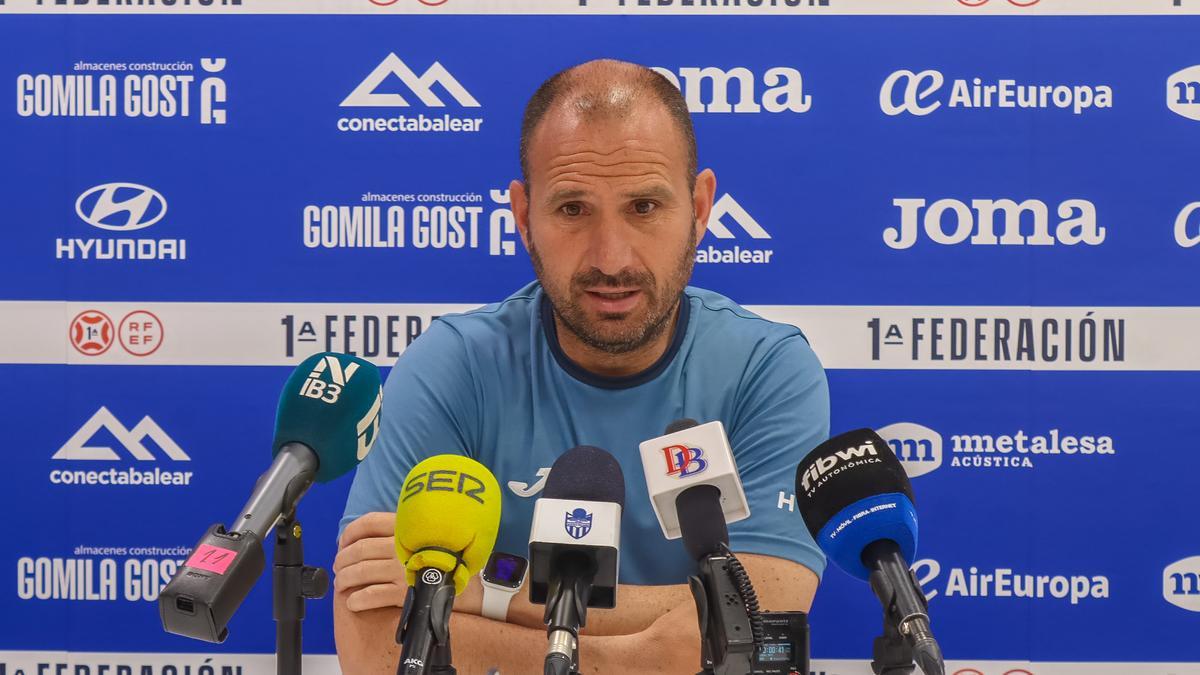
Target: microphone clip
728, 614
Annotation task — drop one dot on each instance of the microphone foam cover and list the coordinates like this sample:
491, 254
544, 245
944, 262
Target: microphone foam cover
448, 502
331, 404
701, 520
852, 491
586, 473
680, 425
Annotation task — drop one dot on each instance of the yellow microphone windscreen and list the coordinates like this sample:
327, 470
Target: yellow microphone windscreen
447, 518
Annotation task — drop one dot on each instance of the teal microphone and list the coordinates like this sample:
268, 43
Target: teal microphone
326, 423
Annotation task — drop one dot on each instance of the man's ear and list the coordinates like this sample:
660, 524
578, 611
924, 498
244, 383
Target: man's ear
702, 200
519, 201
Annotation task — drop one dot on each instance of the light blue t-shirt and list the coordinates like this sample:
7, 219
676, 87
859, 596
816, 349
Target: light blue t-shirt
495, 385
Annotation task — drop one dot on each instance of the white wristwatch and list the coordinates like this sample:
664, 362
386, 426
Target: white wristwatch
502, 578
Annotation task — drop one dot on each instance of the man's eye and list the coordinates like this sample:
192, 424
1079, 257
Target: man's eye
571, 209
644, 207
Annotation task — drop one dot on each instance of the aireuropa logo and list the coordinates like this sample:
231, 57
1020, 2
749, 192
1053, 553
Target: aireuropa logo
728, 209
1186, 225
1181, 584
737, 90
921, 449
921, 93
683, 461
424, 88
1183, 93
1003, 582
992, 222
918, 447
121, 207
131, 446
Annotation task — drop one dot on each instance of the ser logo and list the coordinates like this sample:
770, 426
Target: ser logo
683, 461
316, 386
444, 480
1181, 584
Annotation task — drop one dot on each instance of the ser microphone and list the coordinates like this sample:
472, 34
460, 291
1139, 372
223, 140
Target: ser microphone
447, 519
574, 546
326, 423
857, 502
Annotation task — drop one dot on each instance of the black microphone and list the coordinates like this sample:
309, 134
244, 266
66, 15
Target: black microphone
574, 548
858, 505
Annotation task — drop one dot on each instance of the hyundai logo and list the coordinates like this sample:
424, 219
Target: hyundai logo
121, 206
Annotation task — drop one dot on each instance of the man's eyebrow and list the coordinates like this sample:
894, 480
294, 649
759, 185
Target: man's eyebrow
566, 194
652, 192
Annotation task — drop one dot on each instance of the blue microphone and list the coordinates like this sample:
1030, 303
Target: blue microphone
858, 505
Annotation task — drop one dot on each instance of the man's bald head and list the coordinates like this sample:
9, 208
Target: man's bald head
603, 90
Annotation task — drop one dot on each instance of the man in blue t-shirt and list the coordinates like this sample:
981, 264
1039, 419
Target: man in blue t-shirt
608, 347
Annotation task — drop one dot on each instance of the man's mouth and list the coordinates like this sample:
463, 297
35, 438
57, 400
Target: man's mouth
613, 300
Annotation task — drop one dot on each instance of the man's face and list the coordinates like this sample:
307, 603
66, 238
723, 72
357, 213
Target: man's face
610, 223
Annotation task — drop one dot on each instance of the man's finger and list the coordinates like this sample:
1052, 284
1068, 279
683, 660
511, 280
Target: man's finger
369, 572
375, 548
376, 596
377, 524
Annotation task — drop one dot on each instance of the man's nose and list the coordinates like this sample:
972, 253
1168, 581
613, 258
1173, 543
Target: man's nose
611, 247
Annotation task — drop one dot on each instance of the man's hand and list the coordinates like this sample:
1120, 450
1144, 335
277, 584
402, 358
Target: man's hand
366, 570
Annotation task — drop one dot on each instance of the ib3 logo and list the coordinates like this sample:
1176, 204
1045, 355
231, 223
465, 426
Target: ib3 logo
683, 461
1181, 584
328, 391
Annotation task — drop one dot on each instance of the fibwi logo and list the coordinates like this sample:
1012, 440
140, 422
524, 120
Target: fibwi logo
578, 523
1181, 584
327, 379
683, 461
727, 209
371, 93
1183, 93
918, 447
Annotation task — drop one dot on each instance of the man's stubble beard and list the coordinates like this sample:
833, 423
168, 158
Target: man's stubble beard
660, 308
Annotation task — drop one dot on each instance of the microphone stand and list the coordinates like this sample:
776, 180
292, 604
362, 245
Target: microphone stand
729, 640
424, 630
294, 582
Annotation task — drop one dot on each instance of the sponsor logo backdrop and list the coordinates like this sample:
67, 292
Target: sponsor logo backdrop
988, 227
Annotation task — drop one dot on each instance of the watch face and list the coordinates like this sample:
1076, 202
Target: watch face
505, 569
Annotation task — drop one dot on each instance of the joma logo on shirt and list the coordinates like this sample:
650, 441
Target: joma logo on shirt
525, 489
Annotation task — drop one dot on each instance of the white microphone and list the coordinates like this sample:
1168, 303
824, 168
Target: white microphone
695, 455
574, 546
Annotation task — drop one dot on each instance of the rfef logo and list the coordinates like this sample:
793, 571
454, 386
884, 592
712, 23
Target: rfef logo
1183, 93
121, 206
326, 380
1181, 584
578, 523
918, 447
683, 461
